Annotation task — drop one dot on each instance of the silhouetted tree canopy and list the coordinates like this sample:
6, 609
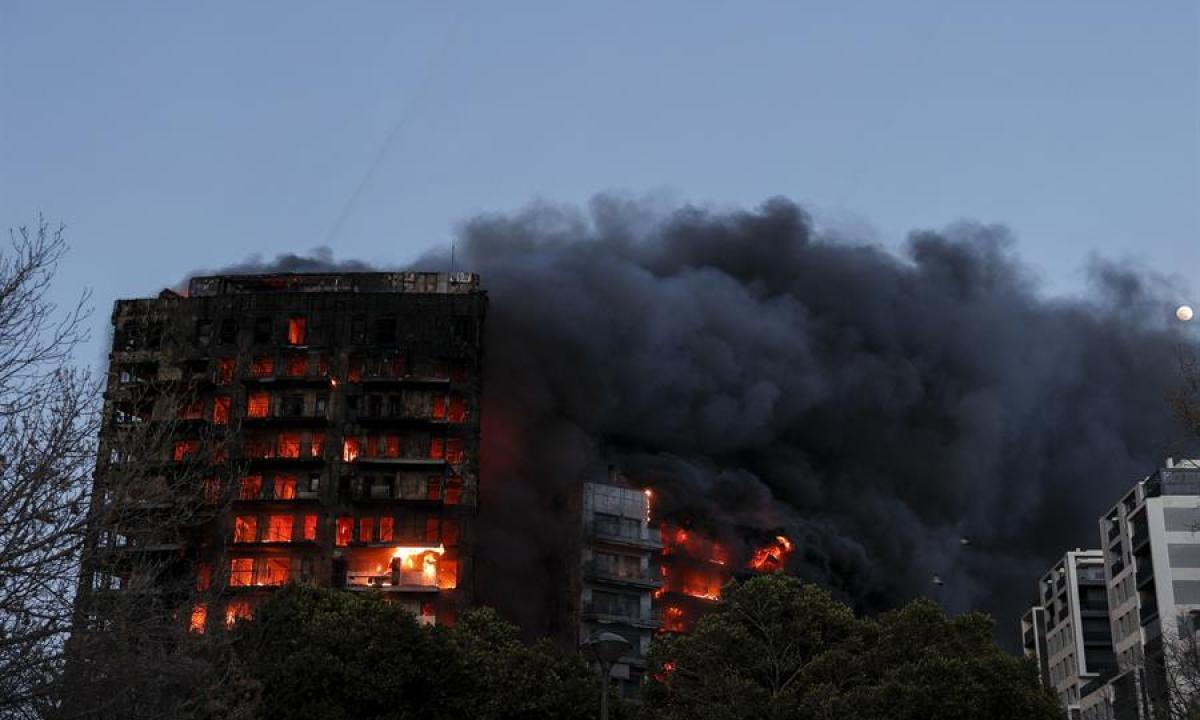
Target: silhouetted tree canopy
328, 654
778, 648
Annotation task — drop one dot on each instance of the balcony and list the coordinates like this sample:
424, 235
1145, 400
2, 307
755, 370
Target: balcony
408, 581
401, 461
606, 614
400, 569
612, 538
283, 417
389, 380
604, 573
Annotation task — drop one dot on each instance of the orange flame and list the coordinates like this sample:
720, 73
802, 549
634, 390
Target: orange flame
772, 556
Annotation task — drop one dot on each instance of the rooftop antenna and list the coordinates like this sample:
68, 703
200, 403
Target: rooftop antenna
451, 257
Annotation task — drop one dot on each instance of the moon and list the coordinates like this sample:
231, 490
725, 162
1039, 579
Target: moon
1184, 313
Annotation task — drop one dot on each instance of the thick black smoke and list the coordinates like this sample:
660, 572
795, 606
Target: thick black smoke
321, 260
875, 408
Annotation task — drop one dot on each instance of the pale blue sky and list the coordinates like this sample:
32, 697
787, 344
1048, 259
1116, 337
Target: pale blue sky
171, 136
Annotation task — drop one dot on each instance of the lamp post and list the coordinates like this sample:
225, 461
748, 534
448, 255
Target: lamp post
605, 648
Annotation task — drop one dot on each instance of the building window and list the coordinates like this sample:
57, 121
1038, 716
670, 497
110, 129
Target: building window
385, 331
225, 368
345, 531
245, 529
279, 528
289, 445
203, 577
453, 492
221, 406
296, 330
612, 603
228, 332
350, 449
366, 529
185, 449
354, 369
412, 527
412, 487
237, 610
310, 527
616, 526
262, 367
258, 405
210, 490
203, 332
191, 410
241, 572
262, 330
314, 482
358, 329
449, 532
295, 365
458, 409
285, 487
292, 406
250, 487
386, 529
198, 619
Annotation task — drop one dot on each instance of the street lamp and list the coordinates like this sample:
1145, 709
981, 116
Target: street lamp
605, 648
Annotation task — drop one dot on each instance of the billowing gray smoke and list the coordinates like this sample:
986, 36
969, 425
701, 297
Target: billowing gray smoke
874, 408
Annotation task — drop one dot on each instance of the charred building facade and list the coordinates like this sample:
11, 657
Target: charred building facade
263, 428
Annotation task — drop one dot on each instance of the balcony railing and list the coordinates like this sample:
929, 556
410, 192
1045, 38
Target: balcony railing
605, 612
403, 581
640, 576
598, 533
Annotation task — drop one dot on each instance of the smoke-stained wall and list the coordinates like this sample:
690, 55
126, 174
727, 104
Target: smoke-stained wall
875, 408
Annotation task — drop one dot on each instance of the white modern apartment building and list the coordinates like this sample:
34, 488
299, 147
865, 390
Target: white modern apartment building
1077, 646
1151, 541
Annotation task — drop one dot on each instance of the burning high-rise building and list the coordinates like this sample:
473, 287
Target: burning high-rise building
261, 428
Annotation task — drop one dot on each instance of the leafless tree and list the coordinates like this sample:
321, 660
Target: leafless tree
138, 648
48, 422
98, 594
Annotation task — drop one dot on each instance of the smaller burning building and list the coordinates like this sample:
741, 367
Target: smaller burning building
643, 574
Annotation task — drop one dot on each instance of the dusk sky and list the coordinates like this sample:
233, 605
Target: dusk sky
171, 137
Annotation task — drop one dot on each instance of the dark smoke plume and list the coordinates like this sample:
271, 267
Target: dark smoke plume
878, 409
321, 260
875, 408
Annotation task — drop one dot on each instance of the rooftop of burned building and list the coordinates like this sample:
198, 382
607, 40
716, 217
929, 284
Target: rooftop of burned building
410, 282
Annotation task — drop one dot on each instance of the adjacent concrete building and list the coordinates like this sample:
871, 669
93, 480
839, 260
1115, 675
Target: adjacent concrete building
323, 427
1144, 586
619, 575
1078, 645
1152, 559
